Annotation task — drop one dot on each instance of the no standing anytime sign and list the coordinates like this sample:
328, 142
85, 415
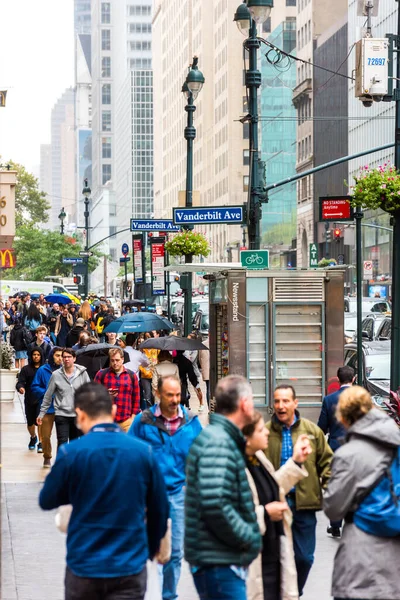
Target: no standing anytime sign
335, 208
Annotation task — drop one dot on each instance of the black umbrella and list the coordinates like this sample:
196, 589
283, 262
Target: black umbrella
95, 357
173, 342
133, 302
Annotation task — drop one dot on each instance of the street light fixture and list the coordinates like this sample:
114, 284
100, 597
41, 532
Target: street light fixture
62, 216
192, 86
260, 9
86, 194
242, 19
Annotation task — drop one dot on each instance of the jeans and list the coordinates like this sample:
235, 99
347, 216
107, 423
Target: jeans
219, 583
171, 572
66, 430
147, 399
132, 587
304, 540
207, 382
47, 428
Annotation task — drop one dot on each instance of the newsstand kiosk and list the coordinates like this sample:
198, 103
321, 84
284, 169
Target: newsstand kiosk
278, 327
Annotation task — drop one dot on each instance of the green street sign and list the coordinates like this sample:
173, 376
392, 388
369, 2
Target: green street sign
255, 259
313, 256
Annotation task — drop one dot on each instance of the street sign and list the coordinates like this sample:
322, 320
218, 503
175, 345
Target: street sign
124, 259
313, 256
125, 249
335, 209
340, 259
137, 242
72, 261
153, 225
85, 253
230, 215
368, 269
158, 280
255, 259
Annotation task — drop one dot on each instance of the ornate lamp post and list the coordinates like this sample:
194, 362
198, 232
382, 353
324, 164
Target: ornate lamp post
86, 194
62, 216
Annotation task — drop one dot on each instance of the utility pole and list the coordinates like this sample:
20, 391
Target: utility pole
105, 276
395, 339
86, 193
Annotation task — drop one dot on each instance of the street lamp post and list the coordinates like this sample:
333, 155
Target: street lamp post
86, 194
62, 216
192, 86
247, 17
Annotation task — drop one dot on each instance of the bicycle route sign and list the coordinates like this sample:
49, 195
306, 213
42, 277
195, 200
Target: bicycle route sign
255, 259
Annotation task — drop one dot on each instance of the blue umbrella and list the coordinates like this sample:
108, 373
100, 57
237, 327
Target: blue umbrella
57, 298
139, 322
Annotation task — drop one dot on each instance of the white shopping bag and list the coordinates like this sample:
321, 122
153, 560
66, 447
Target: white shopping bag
153, 591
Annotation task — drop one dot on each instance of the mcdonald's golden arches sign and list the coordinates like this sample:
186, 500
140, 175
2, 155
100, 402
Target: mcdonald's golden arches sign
7, 259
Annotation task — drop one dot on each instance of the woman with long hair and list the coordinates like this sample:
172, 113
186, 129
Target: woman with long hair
85, 312
273, 576
364, 565
33, 318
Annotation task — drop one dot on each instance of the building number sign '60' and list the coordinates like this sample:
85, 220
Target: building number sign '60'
3, 217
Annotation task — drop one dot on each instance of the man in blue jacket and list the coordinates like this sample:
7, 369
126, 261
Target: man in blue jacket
119, 503
170, 430
329, 424
38, 389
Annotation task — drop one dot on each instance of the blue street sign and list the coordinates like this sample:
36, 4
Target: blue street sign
125, 249
219, 214
72, 261
153, 225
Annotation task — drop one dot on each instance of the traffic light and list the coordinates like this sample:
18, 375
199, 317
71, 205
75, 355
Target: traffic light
328, 235
78, 279
337, 234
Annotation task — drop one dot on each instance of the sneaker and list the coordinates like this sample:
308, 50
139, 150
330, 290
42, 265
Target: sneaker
32, 443
334, 532
201, 408
47, 463
39, 448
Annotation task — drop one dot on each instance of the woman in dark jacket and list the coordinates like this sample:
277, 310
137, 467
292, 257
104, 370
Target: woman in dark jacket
17, 340
32, 405
365, 564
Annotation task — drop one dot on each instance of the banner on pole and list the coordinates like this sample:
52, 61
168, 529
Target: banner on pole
137, 242
158, 281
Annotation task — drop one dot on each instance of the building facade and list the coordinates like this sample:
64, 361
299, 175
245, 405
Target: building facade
220, 164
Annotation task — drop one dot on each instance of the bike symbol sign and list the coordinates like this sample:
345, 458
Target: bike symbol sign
255, 259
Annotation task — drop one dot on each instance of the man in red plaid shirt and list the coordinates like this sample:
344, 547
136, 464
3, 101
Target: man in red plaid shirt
123, 386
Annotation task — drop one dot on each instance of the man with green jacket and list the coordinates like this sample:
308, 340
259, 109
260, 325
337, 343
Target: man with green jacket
304, 500
221, 533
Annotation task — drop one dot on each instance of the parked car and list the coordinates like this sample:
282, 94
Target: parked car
370, 327
350, 327
374, 305
385, 329
376, 372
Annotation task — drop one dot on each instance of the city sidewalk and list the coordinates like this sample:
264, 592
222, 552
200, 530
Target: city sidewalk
33, 550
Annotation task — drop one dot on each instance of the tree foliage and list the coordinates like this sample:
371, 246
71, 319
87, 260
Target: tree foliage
31, 205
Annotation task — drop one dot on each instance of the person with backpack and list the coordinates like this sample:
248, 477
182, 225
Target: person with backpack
123, 386
364, 489
33, 319
40, 342
99, 322
17, 340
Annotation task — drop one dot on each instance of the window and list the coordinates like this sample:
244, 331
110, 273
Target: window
106, 147
106, 120
105, 39
105, 13
106, 93
140, 27
246, 157
140, 45
267, 26
106, 173
246, 183
246, 131
106, 66
140, 63
290, 2
140, 10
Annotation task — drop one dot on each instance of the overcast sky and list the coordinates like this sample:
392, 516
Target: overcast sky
36, 66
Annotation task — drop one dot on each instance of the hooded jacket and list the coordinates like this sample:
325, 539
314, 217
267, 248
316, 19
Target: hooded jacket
63, 388
364, 564
27, 375
41, 380
17, 337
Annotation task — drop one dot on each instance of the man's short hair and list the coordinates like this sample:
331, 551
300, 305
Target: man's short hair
69, 351
113, 351
345, 374
229, 391
287, 386
41, 328
93, 399
162, 380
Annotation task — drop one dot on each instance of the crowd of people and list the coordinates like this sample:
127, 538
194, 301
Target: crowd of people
241, 494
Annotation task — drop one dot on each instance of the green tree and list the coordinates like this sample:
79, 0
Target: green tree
31, 205
39, 254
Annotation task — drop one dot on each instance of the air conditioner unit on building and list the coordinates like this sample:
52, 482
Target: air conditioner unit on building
372, 55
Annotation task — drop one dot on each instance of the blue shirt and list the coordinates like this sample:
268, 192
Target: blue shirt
120, 505
287, 443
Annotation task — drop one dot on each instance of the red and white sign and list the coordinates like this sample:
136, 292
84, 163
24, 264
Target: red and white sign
137, 259
158, 268
368, 269
335, 209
